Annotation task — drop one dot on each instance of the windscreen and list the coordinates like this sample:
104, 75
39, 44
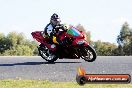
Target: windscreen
73, 31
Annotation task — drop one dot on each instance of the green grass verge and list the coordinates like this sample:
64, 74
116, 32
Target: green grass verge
48, 84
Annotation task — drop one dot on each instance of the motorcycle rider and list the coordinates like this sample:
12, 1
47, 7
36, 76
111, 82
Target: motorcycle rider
52, 29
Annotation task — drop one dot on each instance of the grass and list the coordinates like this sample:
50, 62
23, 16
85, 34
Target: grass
48, 84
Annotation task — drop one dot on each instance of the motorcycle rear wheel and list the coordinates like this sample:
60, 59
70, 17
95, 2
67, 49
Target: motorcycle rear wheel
46, 54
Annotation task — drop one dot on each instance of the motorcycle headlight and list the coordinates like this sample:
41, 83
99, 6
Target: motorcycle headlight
80, 42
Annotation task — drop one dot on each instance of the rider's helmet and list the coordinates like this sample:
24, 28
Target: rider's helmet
55, 20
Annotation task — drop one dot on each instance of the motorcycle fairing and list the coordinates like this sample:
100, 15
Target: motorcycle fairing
38, 36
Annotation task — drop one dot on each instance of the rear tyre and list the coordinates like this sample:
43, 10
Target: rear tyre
46, 54
88, 54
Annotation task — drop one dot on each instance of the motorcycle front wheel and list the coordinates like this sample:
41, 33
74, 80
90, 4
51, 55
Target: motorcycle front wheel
88, 54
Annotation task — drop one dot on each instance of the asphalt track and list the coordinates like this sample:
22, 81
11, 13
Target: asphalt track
63, 69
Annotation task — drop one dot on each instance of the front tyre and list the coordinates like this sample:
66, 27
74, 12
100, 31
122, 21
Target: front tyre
88, 54
46, 54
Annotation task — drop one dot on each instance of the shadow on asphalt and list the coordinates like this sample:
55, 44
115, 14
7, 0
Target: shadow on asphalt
34, 63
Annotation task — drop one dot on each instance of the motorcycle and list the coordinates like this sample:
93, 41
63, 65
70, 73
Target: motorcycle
74, 46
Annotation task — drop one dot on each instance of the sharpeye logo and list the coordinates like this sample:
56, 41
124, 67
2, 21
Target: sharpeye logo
83, 78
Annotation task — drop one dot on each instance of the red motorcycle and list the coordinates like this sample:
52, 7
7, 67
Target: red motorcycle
74, 46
